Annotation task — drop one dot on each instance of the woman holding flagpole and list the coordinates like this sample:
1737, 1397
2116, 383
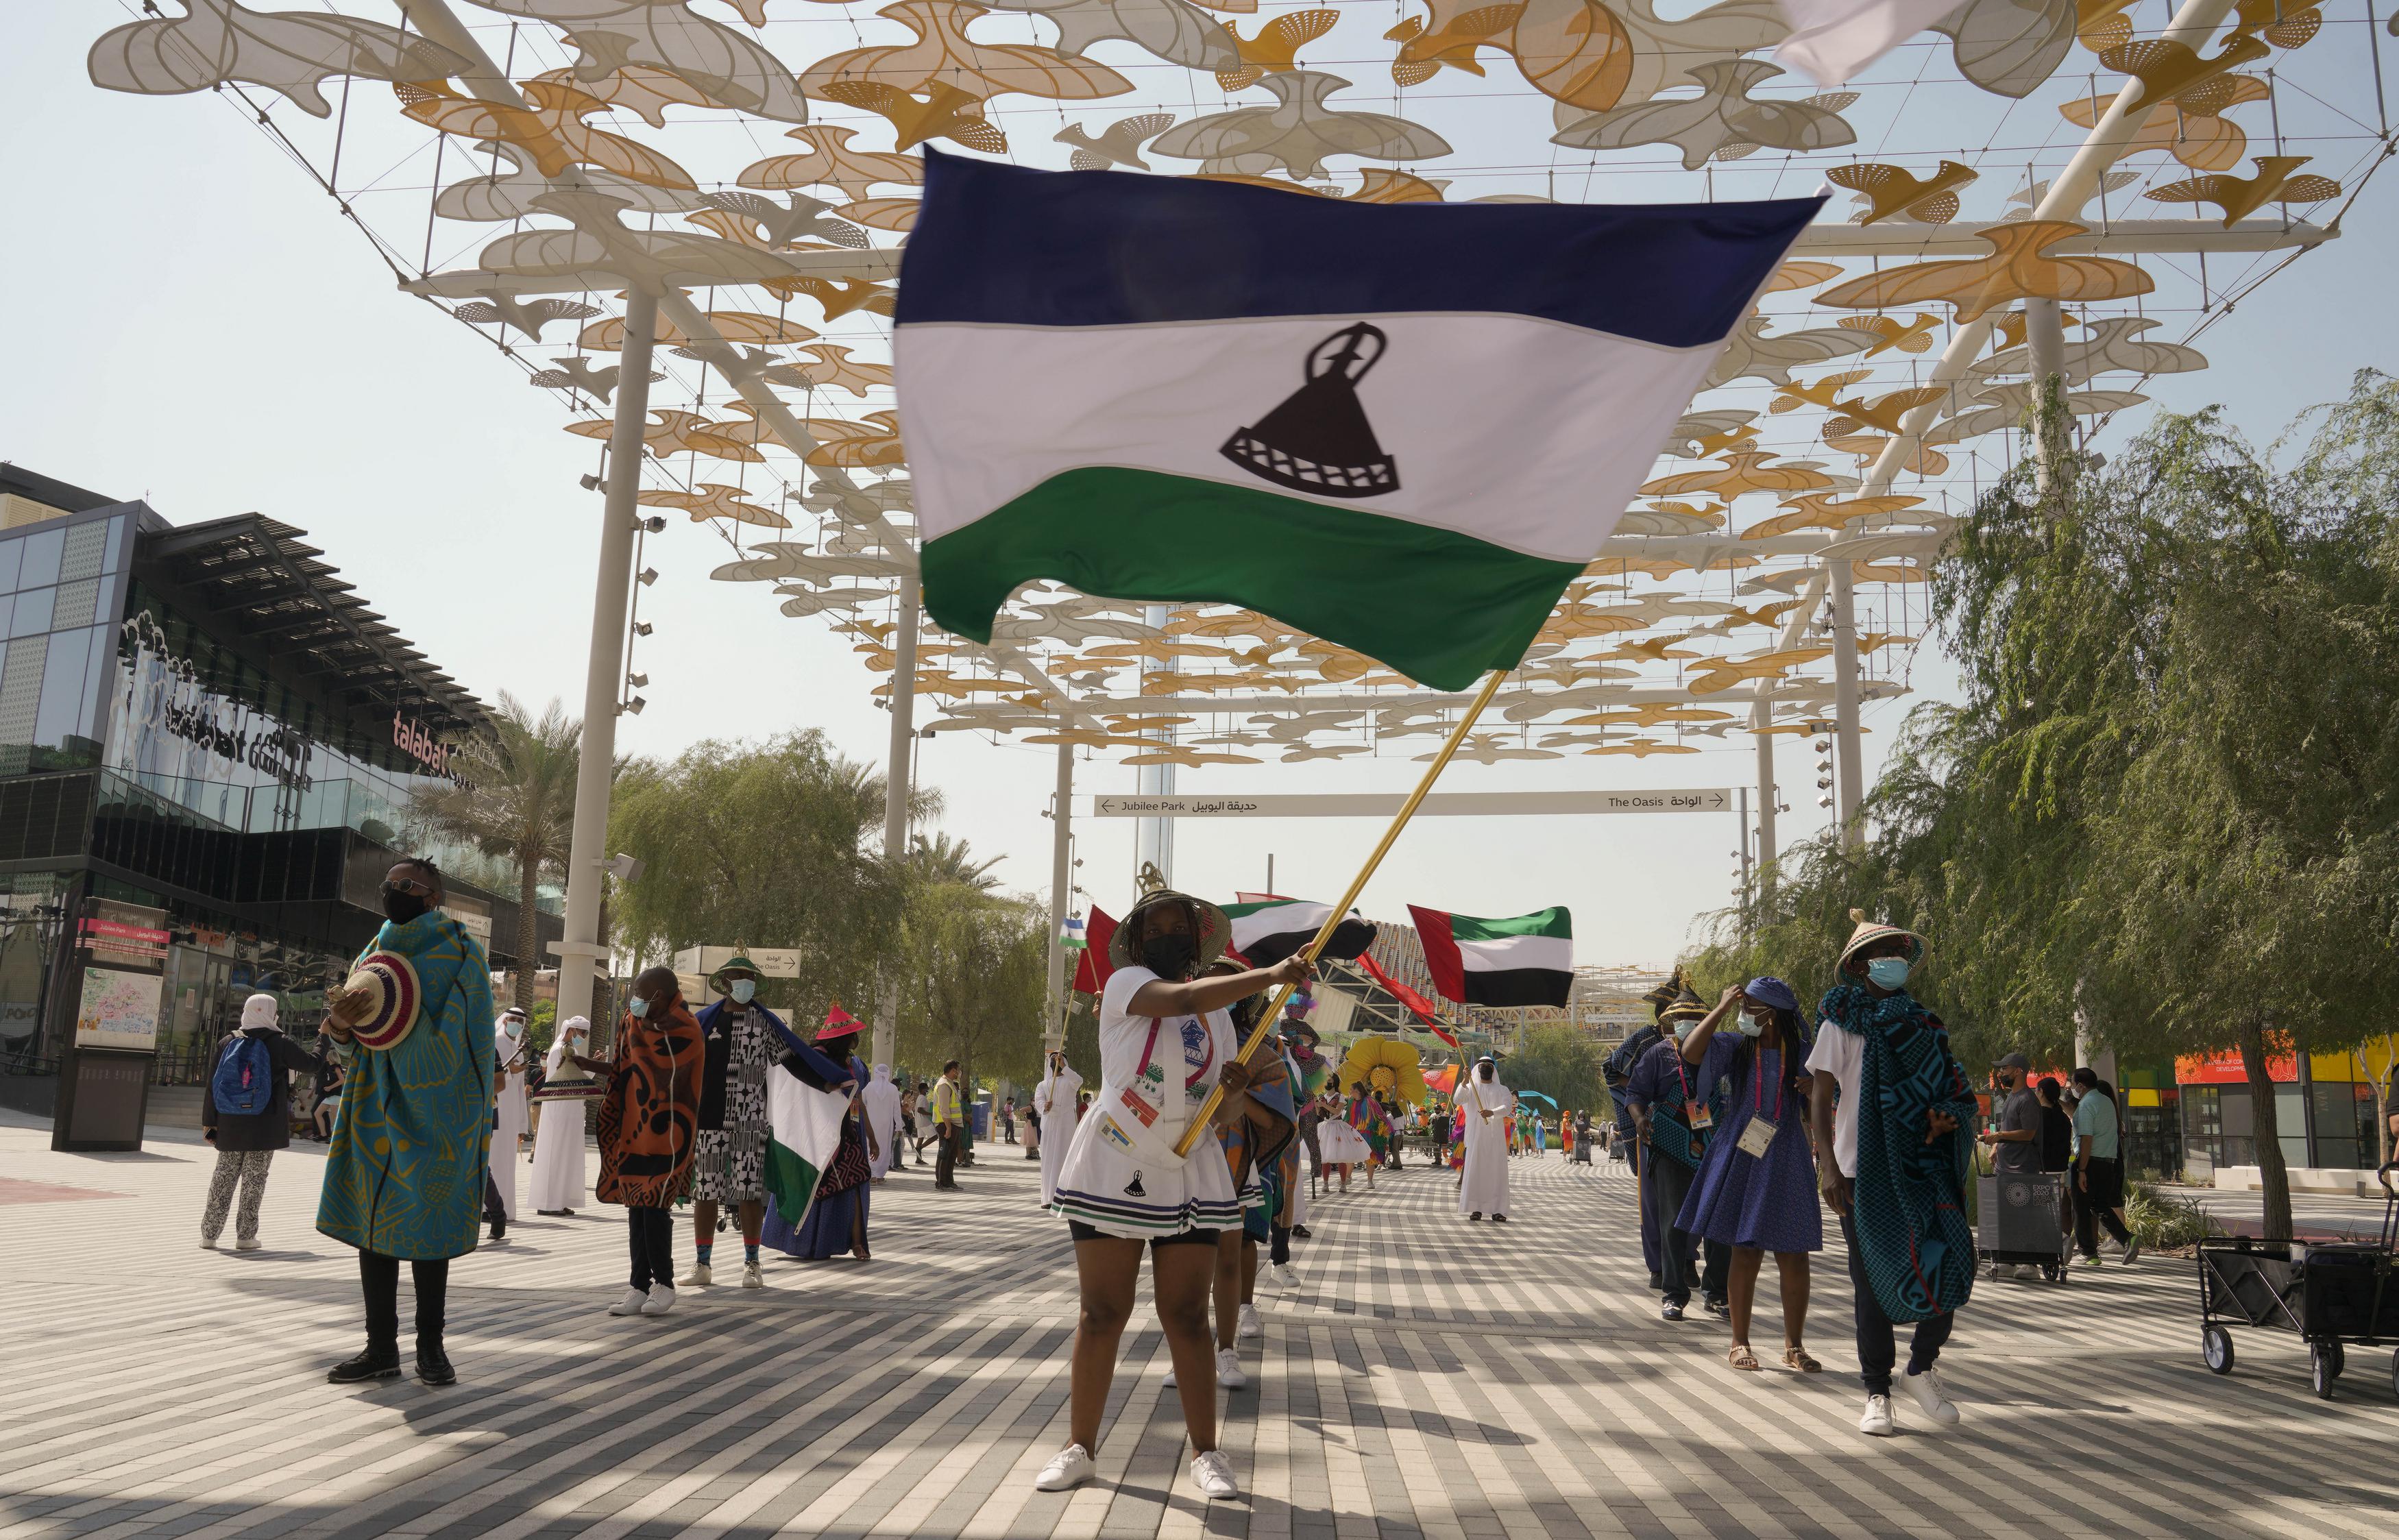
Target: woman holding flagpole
1166, 1043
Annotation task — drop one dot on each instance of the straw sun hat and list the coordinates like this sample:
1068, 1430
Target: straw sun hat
1215, 930
387, 982
1871, 931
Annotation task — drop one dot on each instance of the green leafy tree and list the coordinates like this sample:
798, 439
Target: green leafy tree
975, 972
1561, 1062
942, 860
518, 806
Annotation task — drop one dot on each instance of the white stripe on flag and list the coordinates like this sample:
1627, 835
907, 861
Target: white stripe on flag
1510, 952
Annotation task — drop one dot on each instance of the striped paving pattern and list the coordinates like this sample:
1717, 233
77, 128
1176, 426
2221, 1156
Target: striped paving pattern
1430, 1379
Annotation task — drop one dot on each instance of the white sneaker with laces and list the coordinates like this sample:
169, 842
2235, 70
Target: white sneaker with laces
630, 1305
1288, 1275
752, 1276
1228, 1370
1931, 1395
1070, 1466
1170, 1373
251, 1244
1878, 1422
699, 1277
207, 1243
1249, 1325
1213, 1474
662, 1300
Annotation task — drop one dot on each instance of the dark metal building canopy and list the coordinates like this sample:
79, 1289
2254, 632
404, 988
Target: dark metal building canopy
257, 578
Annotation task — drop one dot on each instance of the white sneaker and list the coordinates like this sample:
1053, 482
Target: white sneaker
1070, 1466
207, 1243
1213, 1474
1249, 1325
249, 1245
630, 1305
662, 1300
1929, 1395
699, 1277
752, 1276
1170, 1373
1287, 1276
1878, 1422
1228, 1372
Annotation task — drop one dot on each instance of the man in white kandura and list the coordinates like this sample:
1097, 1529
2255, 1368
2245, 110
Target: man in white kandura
558, 1163
1054, 1099
1488, 1106
879, 1103
511, 1047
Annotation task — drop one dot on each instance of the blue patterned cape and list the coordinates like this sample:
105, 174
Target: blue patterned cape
1908, 1204
405, 1175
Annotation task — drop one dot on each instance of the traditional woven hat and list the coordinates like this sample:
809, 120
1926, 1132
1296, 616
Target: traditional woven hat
1870, 931
1214, 931
393, 996
838, 1024
739, 963
1663, 995
1686, 1007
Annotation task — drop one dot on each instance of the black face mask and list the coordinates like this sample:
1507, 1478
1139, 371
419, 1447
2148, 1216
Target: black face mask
400, 908
1169, 956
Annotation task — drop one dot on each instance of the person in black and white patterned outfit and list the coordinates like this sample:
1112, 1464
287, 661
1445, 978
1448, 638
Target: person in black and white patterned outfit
743, 1042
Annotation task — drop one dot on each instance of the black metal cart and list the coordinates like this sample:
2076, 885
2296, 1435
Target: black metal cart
2330, 1293
2019, 1221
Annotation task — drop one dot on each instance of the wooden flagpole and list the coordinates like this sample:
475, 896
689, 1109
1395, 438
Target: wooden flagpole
1357, 886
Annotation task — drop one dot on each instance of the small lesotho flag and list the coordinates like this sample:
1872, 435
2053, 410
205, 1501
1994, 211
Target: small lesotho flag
1401, 428
1070, 933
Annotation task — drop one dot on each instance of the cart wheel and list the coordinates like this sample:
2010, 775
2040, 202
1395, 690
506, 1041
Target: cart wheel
2339, 1357
2323, 1370
2216, 1351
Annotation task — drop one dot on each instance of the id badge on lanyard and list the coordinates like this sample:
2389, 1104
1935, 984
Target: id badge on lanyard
1759, 1134
1695, 1111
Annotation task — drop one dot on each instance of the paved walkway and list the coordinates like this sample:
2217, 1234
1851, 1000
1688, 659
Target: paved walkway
1430, 1379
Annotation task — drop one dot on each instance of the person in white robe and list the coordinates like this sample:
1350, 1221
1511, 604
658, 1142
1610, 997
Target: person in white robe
879, 1104
558, 1158
509, 1047
1488, 1106
1055, 1098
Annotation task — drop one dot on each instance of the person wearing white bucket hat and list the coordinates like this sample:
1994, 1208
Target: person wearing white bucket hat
246, 1111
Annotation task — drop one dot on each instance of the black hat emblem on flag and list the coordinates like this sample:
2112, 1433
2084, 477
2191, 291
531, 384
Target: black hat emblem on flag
1318, 439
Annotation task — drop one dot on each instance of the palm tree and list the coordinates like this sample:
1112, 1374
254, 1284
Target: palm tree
942, 859
518, 806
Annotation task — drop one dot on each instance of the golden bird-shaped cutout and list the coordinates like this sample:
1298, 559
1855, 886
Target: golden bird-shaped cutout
1824, 512
2285, 26
1657, 649
1802, 274
839, 296
1578, 53
1882, 413
945, 112
1720, 674
1890, 191
2102, 25
2173, 72
943, 53
2239, 197
742, 328
551, 130
1642, 749
1651, 714
1744, 470
2008, 330
1799, 393
2018, 268
1424, 51
1118, 144
2193, 130
676, 432
638, 88
1716, 443
1922, 460
1914, 336
714, 500
829, 161
1276, 48
872, 440
832, 370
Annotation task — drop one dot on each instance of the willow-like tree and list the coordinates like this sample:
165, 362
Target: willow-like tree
517, 804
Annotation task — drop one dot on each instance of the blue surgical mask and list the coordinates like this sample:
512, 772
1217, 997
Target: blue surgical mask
1683, 1030
1887, 972
638, 1007
743, 991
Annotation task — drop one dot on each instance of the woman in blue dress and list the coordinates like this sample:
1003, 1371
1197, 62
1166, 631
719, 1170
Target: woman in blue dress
1756, 1190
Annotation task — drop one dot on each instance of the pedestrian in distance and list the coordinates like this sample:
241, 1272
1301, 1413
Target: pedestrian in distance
2098, 1171
2015, 1142
245, 1114
949, 1128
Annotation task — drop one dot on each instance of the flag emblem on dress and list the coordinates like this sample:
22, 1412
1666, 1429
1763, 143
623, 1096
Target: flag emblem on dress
1404, 428
1526, 960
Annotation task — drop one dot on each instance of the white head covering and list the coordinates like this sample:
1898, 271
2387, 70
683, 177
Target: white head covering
556, 1060
258, 1013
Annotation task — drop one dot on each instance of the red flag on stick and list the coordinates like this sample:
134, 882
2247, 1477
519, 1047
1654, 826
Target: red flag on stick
1424, 1008
1092, 968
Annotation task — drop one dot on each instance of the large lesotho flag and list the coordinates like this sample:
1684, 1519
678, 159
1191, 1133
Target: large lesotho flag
1401, 428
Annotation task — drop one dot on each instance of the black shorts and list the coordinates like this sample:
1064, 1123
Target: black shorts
1081, 1230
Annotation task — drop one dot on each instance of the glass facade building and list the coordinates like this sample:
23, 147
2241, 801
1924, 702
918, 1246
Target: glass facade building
207, 721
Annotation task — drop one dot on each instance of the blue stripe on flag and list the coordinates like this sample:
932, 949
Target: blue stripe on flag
1008, 246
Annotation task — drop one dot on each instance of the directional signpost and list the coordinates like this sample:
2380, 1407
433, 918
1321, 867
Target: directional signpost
1337, 805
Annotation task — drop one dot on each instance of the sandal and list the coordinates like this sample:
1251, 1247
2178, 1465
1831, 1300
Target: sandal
1742, 1357
1797, 1357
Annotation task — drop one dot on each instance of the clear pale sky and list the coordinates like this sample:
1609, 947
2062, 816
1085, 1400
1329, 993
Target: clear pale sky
195, 324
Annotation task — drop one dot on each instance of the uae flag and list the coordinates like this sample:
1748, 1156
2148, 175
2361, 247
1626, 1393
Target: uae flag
1524, 961
1401, 428
803, 1129
1267, 930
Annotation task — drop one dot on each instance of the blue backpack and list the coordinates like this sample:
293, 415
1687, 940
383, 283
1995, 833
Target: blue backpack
244, 1081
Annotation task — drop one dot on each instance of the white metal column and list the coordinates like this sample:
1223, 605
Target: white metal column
605, 677
1061, 884
1764, 742
1154, 838
899, 777
1849, 773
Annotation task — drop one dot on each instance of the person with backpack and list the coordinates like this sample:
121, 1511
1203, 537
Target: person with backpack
246, 1112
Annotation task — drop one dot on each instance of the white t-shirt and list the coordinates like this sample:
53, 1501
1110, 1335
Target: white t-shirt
1841, 1055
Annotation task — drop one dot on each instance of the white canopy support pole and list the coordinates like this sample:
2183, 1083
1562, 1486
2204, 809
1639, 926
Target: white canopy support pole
1764, 742
1061, 884
604, 678
2045, 340
898, 781
1851, 773
1761, 716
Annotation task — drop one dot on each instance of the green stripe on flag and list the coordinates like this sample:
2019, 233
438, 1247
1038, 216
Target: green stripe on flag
791, 1180
1542, 922
1439, 606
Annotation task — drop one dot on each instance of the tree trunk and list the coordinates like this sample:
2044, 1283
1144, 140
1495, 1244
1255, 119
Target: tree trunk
528, 931
2273, 1177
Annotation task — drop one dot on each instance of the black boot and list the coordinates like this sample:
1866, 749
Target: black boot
433, 1364
375, 1363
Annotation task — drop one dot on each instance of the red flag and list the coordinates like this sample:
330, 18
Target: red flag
1092, 968
1424, 1008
